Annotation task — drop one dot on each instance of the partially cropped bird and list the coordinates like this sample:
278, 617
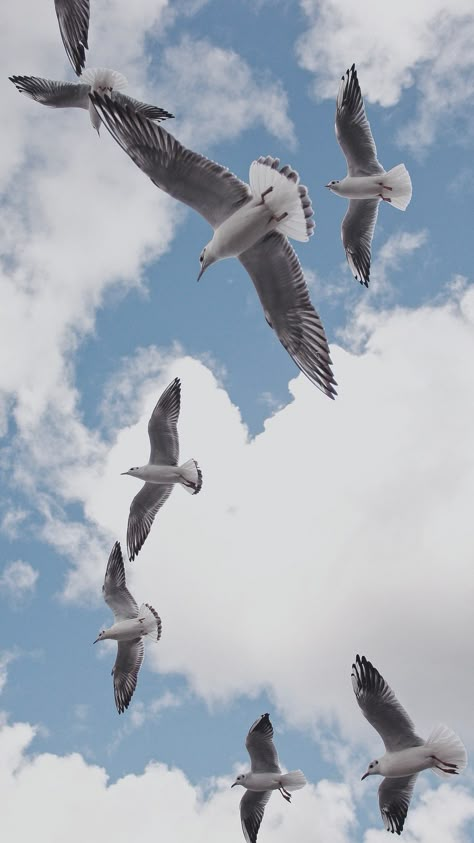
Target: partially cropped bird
406, 754
265, 775
366, 183
131, 625
251, 222
76, 94
73, 19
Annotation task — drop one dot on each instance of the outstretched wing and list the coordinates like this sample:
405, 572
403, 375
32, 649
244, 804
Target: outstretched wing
275, 270
252, 807
151, 112
125, 671
54, 94
353, 129
162, 427
114, 589
394, 801
143, 509
73, 19
260, 746
357, 231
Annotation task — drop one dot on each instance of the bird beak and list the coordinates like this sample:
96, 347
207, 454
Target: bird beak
122, 473
96, 640
327, 185
201, 273
364, 777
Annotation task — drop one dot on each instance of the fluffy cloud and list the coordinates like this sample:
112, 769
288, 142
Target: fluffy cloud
18, 580
428, 44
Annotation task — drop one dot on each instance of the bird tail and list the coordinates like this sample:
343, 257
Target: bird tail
285, 196
294, 780
102, 77
398, 179
150, 621
445, 746
190, 476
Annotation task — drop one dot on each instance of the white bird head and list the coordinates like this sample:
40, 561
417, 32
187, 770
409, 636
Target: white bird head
372, 770
102, 635
333, 185
240, 780
131, 471
206, 258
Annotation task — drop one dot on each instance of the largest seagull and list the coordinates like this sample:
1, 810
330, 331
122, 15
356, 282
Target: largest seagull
250, 222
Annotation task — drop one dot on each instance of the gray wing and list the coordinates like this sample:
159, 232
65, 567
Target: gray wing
394, 801
73, 19
209, 188
54, 94
357, 231
275, 270
143, 509
114, 589
381, 707
353, 128
125, 671
260, 746
151, 112
252, 807
162, 427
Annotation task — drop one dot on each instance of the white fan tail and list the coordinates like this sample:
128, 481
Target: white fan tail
398, 179
446, 746
294, 780
150, 621
287, 196
191, 476
101, 79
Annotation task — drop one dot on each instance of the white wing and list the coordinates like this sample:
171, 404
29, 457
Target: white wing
381, 707
73, 19
357, 231
54, 94
114, 589
252, 807
210, 189
275, 270
125, 671
260, 746
353, 128
394, 801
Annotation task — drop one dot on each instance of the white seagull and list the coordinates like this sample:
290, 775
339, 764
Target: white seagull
131, 625
76, 95
252, 223
406, 753
162, 471
264, 777
73, 19
366, 182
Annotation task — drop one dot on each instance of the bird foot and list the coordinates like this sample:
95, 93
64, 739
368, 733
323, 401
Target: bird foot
281, 217
285, 794
384, 198
265, 193
385, 186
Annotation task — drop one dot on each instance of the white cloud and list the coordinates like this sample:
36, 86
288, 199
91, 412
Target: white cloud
6, 657
428, 44
18, 580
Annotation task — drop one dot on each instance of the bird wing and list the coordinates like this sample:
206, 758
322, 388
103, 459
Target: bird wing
54, 94
357, 231
114, 589
381, 707
125, 671
353, 129
151, 112
394, 801
209, 188
260, 746
275, 270
252, 807
143, 509
162, 427
73, 19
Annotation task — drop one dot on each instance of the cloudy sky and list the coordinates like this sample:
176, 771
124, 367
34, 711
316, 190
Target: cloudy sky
323, 528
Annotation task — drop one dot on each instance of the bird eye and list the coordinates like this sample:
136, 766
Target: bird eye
201, 258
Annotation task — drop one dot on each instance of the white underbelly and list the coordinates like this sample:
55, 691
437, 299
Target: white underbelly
244, 228
361, 187
263, 781
126, 630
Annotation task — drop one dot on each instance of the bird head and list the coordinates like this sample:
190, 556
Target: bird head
206, 258
333, 185
102, 635
131, 471
372, 770
240, 780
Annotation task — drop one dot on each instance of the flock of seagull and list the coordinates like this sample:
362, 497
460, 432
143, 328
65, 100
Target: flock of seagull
252, 222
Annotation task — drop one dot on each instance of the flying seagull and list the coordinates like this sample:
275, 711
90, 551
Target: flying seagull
406, 754
252, 223
73, 19
264, 777
162, 470
131, 625
76, 95
366, 183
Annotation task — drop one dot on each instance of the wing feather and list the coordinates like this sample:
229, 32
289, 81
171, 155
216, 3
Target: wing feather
51, 93
162, 427
114, 589
73, 19
252, 807
357, 231
353, 129
125, 671
394, 801
143, 509
260, 746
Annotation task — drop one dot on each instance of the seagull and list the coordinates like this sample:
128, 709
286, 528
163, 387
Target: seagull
131, 625
252, 223
406, 754
76, 95
162, 470
264, 777
73, 19
366, 183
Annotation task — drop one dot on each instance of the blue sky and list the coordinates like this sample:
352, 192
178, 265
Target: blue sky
323, 529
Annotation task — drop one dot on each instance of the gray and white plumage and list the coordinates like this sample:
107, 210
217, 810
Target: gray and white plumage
130, 650
263, 759
76, 95
73, 19
216, 193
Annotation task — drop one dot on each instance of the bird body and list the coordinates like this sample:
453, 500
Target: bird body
359, 187
406, 762
157, 473
272, 781
241, 231
127, 630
